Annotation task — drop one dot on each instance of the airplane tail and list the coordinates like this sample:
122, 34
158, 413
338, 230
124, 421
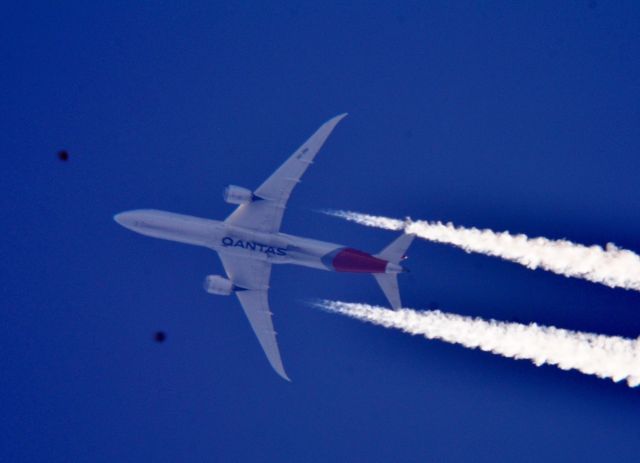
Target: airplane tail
394, 253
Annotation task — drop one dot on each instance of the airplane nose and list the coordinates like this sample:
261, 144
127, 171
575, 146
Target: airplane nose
120, 218
126, 219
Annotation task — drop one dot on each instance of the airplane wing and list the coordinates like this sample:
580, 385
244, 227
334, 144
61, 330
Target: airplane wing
265, 214
253, 275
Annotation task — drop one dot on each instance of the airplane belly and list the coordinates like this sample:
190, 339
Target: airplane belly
254, 245
279, 248
353, 261
332, 257
170, 226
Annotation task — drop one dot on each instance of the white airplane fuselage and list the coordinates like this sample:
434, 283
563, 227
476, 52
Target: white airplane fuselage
275, 248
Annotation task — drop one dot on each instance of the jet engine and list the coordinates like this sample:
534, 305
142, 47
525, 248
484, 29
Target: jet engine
237, 195
215, 284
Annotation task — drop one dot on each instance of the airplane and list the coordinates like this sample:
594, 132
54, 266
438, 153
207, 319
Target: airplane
249, 242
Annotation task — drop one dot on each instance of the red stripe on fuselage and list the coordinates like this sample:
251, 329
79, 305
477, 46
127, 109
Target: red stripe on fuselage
352, 260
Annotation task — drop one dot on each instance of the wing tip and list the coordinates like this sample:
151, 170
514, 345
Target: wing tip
335, 119
339, 117
282, 374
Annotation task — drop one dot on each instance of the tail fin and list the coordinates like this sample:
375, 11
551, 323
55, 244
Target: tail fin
393, 253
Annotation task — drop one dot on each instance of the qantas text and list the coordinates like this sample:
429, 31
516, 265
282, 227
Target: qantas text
229, 242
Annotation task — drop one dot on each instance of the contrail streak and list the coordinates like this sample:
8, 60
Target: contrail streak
610, 266
611, 357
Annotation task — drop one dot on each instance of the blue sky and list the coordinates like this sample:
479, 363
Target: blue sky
519, 116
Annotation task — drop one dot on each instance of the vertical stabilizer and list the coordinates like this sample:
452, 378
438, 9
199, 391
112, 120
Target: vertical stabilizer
394, 253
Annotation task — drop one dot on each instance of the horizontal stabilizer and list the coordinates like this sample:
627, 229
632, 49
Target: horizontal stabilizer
393, 253
389, 284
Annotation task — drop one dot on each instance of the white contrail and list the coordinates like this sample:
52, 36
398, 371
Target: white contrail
611, 357
611, 266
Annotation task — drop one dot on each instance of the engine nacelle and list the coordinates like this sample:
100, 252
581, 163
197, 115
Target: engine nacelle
215, 284
237, 195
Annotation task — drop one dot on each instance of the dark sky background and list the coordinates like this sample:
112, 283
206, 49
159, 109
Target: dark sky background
520, 116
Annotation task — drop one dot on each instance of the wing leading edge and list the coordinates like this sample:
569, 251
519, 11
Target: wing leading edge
266, 213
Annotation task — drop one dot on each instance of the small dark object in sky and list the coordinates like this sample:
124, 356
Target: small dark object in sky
63, 155
160, 336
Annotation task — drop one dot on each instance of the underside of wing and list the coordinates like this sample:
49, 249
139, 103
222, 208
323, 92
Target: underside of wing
265, 213
251, 276
256, 308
